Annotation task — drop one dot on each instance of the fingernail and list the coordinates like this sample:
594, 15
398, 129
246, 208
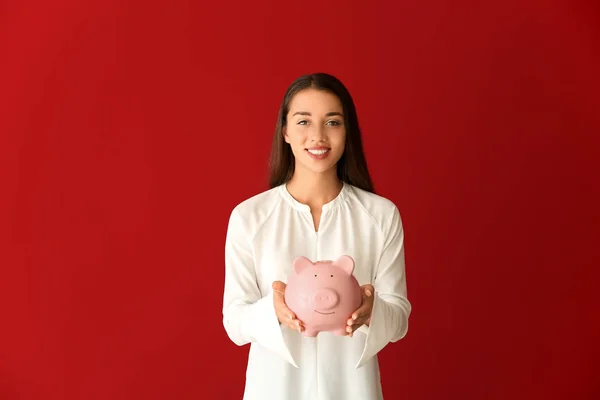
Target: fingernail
354, 317
368, 292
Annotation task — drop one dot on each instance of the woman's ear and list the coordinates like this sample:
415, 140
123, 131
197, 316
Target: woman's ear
285, 136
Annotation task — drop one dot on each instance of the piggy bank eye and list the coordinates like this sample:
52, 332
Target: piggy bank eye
315, 275
332, 276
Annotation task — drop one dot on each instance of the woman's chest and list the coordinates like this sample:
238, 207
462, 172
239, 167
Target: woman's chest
280, 242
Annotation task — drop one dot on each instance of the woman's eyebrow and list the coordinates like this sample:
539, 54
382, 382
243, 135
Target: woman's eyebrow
329, 114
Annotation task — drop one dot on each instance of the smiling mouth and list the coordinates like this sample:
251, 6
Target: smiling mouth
318, 152
323, 313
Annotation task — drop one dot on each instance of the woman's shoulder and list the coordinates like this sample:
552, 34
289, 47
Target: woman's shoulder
373, 203
382, 211
257, 207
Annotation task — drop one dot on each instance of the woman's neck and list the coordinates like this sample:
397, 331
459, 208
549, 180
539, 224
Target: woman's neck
314, 189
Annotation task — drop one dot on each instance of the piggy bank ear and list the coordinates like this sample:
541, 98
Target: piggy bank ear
346, 264
300, 263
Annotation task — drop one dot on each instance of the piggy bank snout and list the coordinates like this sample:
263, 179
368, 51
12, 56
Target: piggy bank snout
326, 298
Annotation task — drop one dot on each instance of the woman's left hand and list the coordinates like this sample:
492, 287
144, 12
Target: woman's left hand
363, 314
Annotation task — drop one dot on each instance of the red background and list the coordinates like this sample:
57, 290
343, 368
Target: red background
129, 130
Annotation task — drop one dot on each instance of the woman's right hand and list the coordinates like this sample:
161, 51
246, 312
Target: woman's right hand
284, 314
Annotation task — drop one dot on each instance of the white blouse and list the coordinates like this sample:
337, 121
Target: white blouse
265, 234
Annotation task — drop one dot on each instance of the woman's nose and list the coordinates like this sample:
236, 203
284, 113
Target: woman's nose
317, 134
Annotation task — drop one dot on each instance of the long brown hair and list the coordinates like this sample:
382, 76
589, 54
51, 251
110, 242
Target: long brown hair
352, 166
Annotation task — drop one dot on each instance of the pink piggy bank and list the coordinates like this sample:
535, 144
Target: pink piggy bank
323, 295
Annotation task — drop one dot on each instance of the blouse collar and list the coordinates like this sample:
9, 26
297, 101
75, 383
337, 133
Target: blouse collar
304, 207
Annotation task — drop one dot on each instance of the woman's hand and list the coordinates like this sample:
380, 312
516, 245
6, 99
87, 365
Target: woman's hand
284, 314
362, 316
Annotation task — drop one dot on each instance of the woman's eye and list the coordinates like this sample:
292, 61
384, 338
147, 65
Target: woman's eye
302, 122
334, 123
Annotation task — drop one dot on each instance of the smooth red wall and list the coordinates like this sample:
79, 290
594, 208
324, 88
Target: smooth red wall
129, 130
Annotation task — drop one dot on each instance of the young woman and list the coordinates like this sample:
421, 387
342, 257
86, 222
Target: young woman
321, 205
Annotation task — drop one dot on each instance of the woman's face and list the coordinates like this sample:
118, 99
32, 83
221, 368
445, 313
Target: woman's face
315, 130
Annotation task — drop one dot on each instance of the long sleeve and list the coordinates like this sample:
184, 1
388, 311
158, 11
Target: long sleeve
248, 316
391, 308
